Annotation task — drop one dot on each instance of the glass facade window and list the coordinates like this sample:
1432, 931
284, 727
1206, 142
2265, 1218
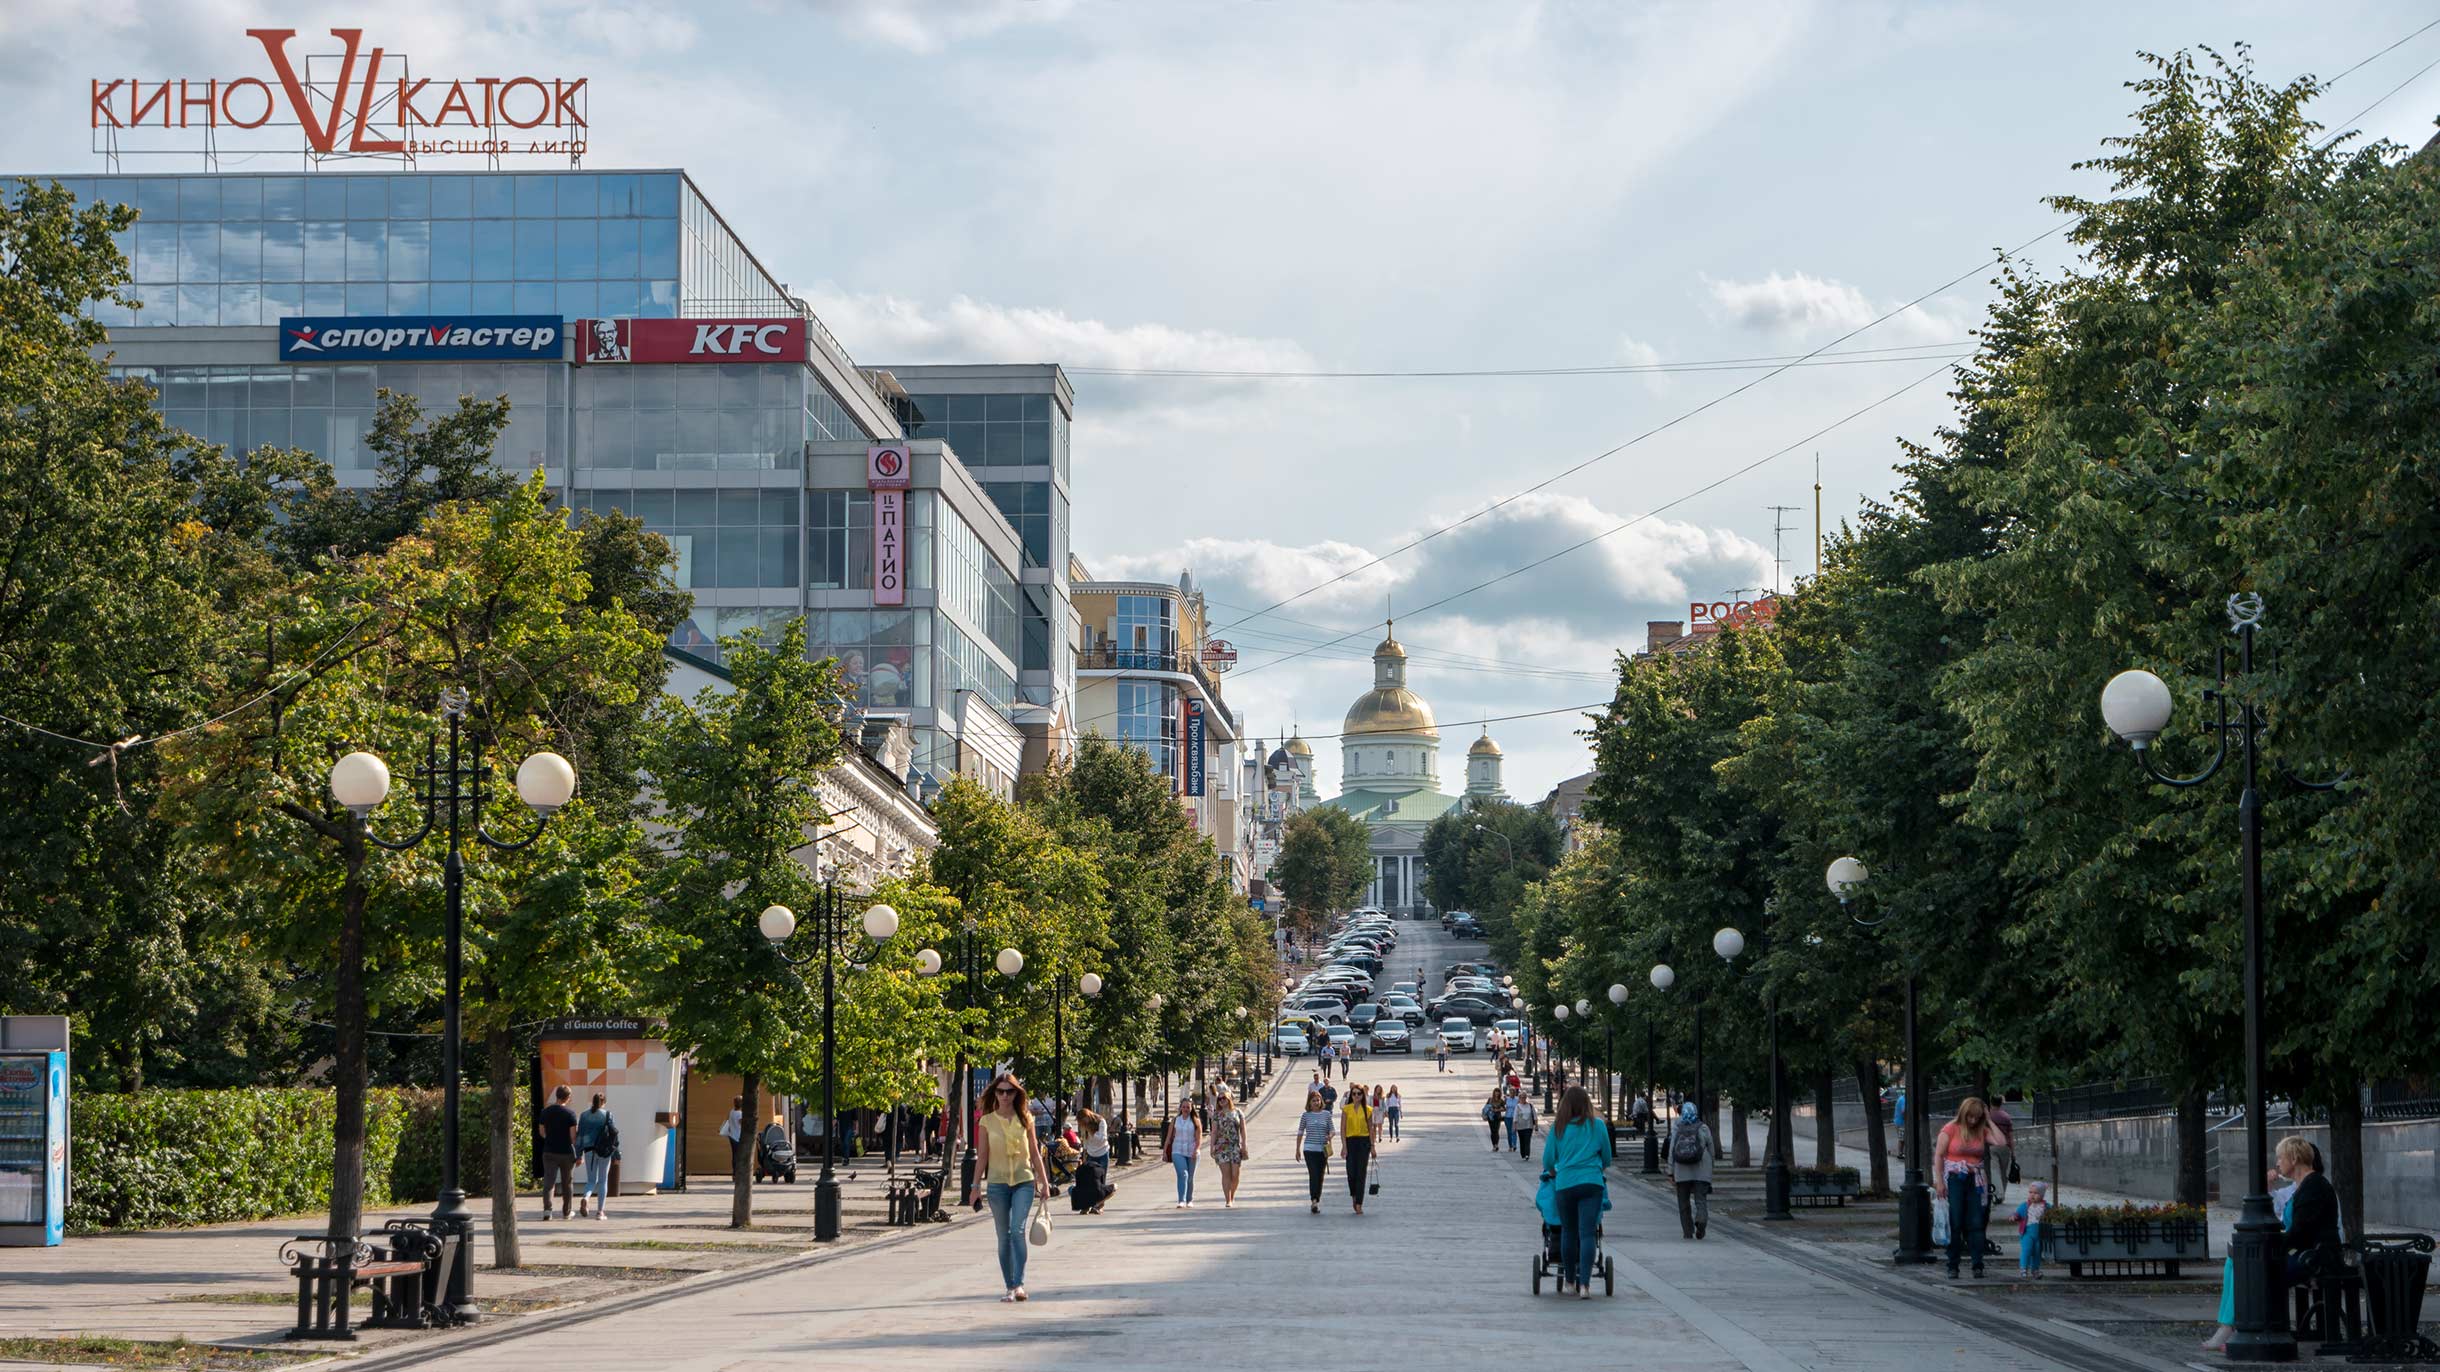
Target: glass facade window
550, 243
721, 277
988, 430
839, 540
1148, 722
1145, 624
326, 410
730, 416
1027, 506
975, 586
721, 538
702, 630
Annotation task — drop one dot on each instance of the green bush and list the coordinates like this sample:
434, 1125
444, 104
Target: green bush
164, 1159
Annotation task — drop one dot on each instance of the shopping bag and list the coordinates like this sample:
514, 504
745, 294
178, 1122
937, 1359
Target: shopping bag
1940, 1222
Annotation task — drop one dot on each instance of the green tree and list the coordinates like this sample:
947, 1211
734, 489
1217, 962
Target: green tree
740, 774
1325, 862
1482, 858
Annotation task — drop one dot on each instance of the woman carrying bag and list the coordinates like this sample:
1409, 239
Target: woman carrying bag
1012, 1171
1355, 1126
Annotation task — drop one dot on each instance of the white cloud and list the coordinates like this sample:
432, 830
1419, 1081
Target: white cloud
932, 25
1543, 640
1791, 304
889, 328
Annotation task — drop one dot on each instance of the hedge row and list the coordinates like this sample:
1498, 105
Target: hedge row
164, 1159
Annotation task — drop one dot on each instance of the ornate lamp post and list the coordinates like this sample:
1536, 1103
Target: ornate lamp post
1845, 877
2136, 705
830, 929
961, 1091
1652, 1080
360, 781
1729, 944
1610, 1085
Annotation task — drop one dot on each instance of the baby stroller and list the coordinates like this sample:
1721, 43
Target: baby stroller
774, 1156
1546, 1260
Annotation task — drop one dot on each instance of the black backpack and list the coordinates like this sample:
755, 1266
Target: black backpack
605, 1143
1686, 1142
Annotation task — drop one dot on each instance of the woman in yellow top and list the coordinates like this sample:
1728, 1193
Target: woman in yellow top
1355, 1125
1011, 1163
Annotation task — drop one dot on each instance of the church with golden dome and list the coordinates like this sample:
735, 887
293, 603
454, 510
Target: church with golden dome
1389, 776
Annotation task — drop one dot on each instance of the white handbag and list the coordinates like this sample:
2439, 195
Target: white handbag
1038, 1232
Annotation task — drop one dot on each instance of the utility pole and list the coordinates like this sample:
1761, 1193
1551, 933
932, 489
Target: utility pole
1778, 527
1817, 514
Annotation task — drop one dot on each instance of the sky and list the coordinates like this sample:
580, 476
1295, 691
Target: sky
1366, 187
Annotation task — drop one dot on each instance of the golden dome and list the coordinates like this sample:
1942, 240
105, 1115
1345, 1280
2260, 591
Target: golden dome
1389, 648
1298, 746
1484, 747
1391, 710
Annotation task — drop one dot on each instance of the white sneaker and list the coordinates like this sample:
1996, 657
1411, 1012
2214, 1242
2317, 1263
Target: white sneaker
601, 1214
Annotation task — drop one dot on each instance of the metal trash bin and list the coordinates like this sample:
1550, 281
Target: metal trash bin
2395, 1268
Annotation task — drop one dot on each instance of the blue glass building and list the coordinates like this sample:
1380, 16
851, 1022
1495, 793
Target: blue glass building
713, 455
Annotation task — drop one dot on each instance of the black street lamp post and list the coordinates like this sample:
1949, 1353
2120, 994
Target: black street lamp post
829, 924
1729, 943
2136, 705
1009, 963
1652, 1100
360, 781
1914, 1194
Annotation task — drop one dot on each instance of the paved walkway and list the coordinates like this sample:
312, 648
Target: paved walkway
1434, 1275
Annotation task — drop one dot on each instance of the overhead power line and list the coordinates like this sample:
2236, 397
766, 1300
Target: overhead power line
1854, 357
1849, 417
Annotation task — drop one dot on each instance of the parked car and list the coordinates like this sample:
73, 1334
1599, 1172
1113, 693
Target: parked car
1360, 1018
1292, 1041
1507, 1034
1326, 1009
1390, 1035
1342, 1037
1403, 988
1405, 1009
1465, 928
1472, 1009
1457, 1036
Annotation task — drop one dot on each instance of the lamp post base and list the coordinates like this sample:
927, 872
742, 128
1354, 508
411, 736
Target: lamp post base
1652, 1151
1914, 1223
2262, 1333
452, 1220
825, 1210
1775, 1189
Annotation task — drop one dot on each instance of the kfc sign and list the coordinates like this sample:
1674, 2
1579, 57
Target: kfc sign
1722, 614
691, 340
356, 100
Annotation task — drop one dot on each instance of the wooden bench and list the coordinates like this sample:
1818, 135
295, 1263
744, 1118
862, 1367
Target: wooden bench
330, 1270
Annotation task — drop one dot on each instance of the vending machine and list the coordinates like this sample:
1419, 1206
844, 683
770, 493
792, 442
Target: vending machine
33, 1148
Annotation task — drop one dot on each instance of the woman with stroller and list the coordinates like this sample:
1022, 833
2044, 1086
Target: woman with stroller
1578, 1159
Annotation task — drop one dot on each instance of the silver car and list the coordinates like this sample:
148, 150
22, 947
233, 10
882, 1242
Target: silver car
1390, 1035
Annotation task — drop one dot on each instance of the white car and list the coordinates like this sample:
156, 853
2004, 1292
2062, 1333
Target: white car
1506, 1035
1292, 1041
1457, 1035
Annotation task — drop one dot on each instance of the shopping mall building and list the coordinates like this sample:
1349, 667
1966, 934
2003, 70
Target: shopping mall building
654, 365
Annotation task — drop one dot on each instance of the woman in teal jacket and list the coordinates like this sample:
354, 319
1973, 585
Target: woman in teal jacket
1578, 1156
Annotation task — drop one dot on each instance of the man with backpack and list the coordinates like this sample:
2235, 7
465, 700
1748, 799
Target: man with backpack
1690, 1151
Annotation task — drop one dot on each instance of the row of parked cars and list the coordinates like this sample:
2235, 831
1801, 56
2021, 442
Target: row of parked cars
1325, 1002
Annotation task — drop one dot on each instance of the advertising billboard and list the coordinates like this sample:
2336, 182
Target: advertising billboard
691, 340
1191, 764
421, 338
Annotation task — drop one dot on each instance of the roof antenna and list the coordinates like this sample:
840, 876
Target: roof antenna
1778, 526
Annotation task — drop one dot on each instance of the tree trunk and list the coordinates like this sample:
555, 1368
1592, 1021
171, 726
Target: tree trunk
1825, 1121
1982, 1084
2193, 1141
348, 1069
501, 1044
2347, 1156
741, 1163
1741, 1148
1876, 1129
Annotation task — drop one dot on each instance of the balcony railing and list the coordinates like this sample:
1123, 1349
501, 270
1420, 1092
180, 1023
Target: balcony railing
1112, 657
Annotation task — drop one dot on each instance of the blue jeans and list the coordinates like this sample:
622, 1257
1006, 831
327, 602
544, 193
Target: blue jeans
1185, 1164
1579, 1216
597, 1178
1011, 1208
1967, 1212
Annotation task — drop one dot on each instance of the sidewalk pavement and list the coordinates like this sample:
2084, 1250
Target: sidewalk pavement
223, 1284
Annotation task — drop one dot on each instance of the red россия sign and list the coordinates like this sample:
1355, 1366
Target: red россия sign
1719, 614
357, 100
691, 340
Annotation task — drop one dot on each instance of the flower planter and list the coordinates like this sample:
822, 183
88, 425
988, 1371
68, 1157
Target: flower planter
2126, 1247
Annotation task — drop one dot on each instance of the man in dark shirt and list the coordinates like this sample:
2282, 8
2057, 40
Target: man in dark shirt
557, 1126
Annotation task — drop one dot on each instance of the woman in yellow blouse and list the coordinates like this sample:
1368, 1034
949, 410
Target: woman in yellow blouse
1355, 1126
1011, 1163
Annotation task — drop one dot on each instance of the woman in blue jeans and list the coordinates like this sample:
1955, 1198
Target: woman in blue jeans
1180, 1143
1011, 1166
1578, 1156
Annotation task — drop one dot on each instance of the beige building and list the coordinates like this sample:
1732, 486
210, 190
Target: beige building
1144, 679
